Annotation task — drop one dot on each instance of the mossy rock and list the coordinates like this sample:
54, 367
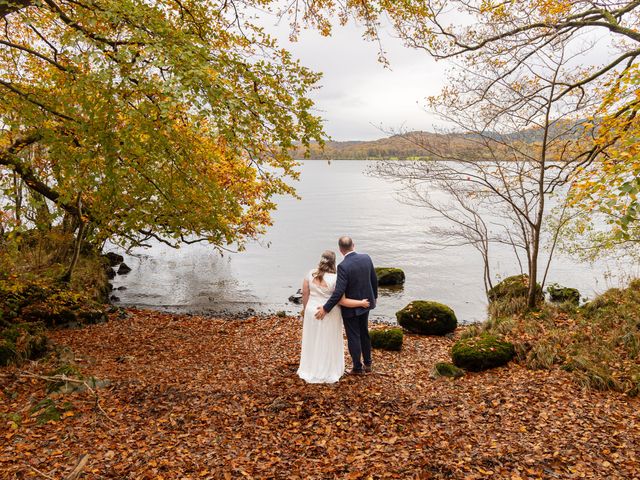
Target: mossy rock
481, 353
66, 369
389, 276
15, 295
427, 318
65, 308
48, 410
23, 341
386, 339
113, 258
446, 369
560, 294
513, 287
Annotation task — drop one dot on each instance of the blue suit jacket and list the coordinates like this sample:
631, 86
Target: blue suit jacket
357, 280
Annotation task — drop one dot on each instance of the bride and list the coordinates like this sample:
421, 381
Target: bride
322, 356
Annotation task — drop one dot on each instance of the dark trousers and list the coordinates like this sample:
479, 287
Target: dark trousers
358, 340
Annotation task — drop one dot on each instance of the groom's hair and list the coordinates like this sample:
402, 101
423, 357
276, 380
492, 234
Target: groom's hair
345, 243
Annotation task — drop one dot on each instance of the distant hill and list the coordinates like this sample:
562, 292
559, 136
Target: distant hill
416, 145
402, 147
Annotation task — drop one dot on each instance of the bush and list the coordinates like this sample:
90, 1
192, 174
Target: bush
65, 308
21, 342
387, 339
446, 369
16, 294
561, 294
481, 353
509, 297
427, 318
389, 276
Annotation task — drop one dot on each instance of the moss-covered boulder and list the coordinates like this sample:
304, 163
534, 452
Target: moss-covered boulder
386, 339
22, 341
446, 369
481, 353
560, 294
113, 258
427, 318
65, 308
48, 410
513, 287
389, 276
15, 295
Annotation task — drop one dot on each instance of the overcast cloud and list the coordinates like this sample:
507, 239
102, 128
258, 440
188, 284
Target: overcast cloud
359, 98
358, 95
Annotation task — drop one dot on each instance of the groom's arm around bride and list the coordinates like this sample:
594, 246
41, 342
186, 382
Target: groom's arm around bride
356, 279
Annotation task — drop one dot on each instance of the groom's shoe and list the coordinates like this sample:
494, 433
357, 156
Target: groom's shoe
353, 371
368, 369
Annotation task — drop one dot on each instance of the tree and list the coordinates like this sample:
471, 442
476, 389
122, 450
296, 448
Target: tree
512, 32
515, 145
170, 119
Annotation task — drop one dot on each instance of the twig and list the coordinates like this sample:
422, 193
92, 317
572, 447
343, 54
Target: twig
40, 473
75, 473
64, 378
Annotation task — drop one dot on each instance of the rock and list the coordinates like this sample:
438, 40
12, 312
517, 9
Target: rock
560, 294
51, 315
446, 369
121, 288
124, 269
65, 309
92, 315
513, 287
278, 405
387, 339
113, 258
481, 353
114, 298
16, 295
427, 318
111, 273
76, 381
47, 411
296, 297
389, 276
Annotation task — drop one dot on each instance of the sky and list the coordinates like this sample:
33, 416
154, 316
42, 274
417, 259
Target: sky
359, 98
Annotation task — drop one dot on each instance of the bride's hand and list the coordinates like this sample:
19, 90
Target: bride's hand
365, 303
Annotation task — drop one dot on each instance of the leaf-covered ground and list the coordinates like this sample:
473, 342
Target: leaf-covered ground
193, 397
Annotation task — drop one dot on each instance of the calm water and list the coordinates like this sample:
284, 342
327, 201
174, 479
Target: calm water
337, 199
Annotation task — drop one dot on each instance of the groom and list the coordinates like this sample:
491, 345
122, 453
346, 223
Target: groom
356, 279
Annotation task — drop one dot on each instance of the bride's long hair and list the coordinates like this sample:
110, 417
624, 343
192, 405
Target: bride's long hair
327, 265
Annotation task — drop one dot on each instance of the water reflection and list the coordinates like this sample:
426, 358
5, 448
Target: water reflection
337, 199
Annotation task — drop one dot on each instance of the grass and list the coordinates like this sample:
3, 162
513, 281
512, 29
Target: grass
598, 343
44, 257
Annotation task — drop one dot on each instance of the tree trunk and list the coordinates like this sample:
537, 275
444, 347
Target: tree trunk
532, 299
17, 191
77, 244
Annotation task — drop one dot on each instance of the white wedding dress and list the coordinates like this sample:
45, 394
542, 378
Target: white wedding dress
322, 356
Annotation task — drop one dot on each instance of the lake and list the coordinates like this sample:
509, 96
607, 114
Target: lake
338, 198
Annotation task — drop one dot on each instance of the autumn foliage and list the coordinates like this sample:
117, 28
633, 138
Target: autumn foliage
194, 397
